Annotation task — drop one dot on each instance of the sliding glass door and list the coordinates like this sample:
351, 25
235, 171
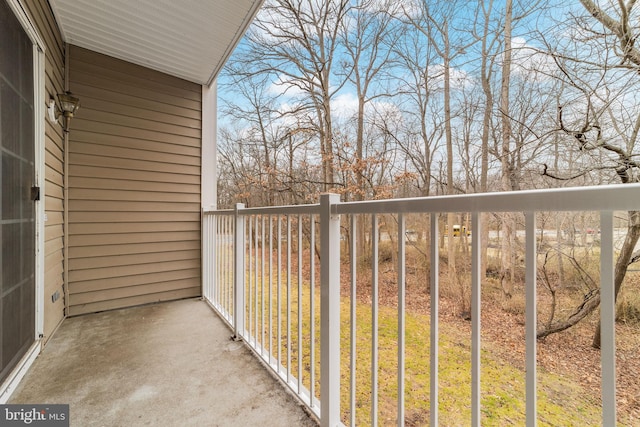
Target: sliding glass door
17, 177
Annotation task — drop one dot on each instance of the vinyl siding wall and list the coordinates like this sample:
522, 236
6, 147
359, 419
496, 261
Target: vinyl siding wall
42, 18
134, 185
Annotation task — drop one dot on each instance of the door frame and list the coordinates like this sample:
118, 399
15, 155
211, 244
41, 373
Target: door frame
39, 92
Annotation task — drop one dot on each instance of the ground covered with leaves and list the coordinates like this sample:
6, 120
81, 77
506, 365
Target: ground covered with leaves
568, 366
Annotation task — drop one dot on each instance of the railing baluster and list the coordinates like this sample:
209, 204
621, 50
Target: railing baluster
607, 320
288, 298
224, 269
262, 282
230, 269
257, 277
300, 335
250, 278
219, 255
211, 241
401, 316
279, 295
204, 238
352, 332
475, 319
374, 320
239, 291
435, 304
270, 255
531, 322
312, 311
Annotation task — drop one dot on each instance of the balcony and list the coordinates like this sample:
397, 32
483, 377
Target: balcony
342, 334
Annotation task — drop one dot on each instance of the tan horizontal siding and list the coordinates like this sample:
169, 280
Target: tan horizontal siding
122, 119
54, 162
94, 171
128, 216
129, 228
133, 291
134, 185
132, 238
129, 185
53, 176
135, 78
141, 90
134, 164
82, 252
53, 190
131, 270
54, 218
149, 105
115, 129
106, 63
53, 203
157, 117
123, 260
45, 23
131, 206
188, 157
53, 231
146, 298
143, 196
87, 286
52, 245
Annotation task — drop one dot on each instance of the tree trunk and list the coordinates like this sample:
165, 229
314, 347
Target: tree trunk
590, 303
485, 71
630, 242
360, 241
506, 170
451, 252
592, 300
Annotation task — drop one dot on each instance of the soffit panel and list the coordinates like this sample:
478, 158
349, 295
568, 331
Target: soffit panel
187, 39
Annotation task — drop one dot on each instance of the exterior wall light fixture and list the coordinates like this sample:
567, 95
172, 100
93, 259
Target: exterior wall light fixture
66, 107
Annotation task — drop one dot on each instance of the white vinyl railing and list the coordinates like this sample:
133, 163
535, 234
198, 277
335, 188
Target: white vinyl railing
260, 267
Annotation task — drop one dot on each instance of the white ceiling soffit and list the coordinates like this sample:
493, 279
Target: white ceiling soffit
190, 39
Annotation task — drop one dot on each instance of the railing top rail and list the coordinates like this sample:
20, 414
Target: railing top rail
624, 197
616, 197
272, 210
217, 211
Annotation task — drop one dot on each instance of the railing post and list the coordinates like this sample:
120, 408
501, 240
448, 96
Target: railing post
329, 312
238, 272
207, 255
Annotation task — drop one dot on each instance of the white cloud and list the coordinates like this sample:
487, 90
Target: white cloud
529, 62
459, 78
283, 85
345, 105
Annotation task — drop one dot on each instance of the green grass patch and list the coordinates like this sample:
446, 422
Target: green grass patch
560, 401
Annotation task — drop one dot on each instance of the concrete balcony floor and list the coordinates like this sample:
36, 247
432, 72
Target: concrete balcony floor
166, 364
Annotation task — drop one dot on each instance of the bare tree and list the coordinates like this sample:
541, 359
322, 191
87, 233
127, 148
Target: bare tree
295, 42
602, 123
489, 42
368, 34
435, 22
417, 88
